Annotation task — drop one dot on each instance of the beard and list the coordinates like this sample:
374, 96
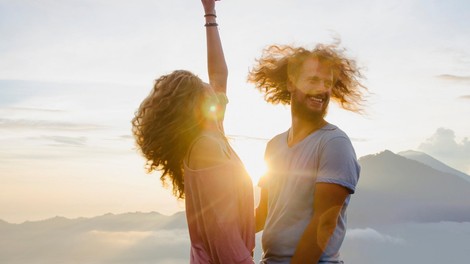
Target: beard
300, 109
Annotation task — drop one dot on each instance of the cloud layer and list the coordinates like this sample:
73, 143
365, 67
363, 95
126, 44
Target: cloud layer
152, 238
451, 77
444, 146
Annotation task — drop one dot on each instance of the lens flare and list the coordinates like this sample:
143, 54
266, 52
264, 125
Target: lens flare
213, 108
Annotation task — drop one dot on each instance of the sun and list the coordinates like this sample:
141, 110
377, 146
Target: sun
256, 169
251, 152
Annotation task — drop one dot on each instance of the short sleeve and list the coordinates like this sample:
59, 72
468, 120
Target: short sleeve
338, 164
263, 181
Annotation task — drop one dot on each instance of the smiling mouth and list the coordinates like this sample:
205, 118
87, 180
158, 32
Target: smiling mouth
319, 98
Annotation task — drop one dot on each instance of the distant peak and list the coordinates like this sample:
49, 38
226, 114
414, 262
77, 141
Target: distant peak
410, 152
418, 156
383, 154
432, 162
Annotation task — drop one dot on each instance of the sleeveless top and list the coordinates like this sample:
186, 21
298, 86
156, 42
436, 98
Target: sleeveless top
220, 210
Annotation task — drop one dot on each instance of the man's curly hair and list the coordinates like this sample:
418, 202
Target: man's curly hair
166, 123
280, 64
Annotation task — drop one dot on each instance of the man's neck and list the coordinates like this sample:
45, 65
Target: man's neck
301, 128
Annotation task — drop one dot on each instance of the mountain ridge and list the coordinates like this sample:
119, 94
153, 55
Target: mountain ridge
433, 163
395, 189
101, 220
392, 188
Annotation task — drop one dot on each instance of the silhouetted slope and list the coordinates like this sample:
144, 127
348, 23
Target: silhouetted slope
122, 238
394, 189
110, 222
433, 163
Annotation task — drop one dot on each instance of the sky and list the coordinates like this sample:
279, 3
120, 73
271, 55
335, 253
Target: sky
73, 72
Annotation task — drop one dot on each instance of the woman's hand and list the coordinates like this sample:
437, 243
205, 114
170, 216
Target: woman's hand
216, 65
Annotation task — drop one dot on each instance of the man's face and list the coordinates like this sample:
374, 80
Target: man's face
311, 90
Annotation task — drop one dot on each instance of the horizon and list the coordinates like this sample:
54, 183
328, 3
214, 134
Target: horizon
72, 73
103, 214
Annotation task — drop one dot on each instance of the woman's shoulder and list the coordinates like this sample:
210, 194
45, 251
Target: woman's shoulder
207, 151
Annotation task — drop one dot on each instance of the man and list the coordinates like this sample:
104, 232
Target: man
313, 168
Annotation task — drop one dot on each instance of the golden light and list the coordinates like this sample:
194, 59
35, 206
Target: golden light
251, 152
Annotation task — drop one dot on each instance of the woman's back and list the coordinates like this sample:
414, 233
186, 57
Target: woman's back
219, 202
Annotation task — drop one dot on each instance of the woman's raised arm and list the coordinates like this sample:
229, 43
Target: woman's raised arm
216, 65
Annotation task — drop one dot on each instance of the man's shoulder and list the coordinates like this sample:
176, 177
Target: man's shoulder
275, 143
331, 131
278, 138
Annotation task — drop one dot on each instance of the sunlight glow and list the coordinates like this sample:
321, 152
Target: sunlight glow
255, 170
251, 152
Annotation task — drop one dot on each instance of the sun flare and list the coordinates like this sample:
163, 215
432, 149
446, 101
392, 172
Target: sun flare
251, 152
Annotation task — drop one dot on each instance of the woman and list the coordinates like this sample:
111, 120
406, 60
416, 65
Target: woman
179, 130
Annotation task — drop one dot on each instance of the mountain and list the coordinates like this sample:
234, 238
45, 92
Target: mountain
136, 221
433, 163
122, 238
394, 189
389, 219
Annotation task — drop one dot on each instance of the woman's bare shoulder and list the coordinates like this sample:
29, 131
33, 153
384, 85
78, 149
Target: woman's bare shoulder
207, 151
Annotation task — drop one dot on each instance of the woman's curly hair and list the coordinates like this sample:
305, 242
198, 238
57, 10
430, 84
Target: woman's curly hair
280, 64
166, 123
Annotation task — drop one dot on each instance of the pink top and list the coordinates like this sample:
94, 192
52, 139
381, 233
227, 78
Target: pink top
220, 212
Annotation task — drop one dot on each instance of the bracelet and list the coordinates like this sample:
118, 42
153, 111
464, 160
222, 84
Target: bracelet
211, 24
208, 15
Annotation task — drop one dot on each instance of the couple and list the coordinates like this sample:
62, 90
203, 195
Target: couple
312, 167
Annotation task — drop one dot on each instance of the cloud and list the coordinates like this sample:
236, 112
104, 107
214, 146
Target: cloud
28, 109
126, 238
74, 141
455, 78
131, 238
372, 235
443, 146
118, 239
408, 243
42, 124
359, 139
148, 238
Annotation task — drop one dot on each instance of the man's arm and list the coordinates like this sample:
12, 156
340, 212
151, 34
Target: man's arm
328, 201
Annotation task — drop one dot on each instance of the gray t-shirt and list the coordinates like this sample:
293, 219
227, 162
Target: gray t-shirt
326, 155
